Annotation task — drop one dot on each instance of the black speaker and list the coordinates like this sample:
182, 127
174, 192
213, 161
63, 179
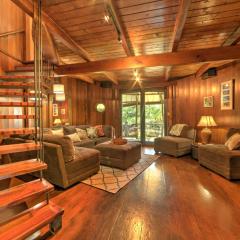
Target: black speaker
211, 72
106, 84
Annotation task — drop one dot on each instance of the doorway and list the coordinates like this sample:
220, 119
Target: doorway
143, 115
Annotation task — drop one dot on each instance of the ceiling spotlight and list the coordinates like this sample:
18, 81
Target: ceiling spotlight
106, 18
119, 39
137, 78
135, 73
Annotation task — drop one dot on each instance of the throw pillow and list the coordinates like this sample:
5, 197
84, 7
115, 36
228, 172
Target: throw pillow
82, 133
100, 131
74, 137
58, 132
92, 132
233, 142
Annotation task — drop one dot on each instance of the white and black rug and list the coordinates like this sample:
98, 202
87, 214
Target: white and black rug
113, 179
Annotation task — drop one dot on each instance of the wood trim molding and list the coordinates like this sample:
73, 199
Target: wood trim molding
163, 59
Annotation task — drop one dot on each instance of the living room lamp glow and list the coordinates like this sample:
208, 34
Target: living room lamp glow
206, 133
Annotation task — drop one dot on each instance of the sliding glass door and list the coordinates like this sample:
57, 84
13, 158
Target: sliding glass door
131, 116
143, 115
154, 115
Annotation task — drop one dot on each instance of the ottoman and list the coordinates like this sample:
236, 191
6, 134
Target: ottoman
119, 156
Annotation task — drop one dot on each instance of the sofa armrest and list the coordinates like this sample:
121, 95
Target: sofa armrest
56, 171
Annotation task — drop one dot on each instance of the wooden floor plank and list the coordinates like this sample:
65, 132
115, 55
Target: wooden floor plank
175, 198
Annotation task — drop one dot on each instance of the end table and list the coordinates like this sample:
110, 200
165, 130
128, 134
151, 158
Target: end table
195, 147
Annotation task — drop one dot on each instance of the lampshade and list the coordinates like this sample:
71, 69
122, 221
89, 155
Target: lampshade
58, 88
207, 121
57, 121
60, 97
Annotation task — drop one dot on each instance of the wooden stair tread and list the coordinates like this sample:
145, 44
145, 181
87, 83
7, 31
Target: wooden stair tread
17, 104
23, 192
10, 84
12, 93
25, 225
10, 131
20, 147
12, 77
17, 116
20, 168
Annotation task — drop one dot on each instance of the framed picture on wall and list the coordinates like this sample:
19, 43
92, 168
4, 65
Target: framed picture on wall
208, 102
55, 110
227, 95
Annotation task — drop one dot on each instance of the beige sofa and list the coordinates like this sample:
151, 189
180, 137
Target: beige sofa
219, 159
68, 165
176, 146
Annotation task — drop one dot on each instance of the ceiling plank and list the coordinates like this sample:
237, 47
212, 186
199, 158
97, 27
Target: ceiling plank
178, 29
163, 59
56, 30
111, 5
232, 40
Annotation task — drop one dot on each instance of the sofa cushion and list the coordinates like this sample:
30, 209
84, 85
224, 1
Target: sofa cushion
88, 143
69, 130
82, 133
66, 144
233, 142
108, 131
92, 132
74, 137
84, 159
218, 150
100, 131
101, 140
57, 132
176, 142
232, 131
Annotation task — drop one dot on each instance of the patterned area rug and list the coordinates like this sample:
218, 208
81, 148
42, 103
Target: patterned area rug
113, 179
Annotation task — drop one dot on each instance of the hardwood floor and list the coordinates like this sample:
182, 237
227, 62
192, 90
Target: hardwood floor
173, 199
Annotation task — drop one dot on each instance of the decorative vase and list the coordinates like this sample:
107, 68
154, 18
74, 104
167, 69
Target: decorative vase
206, 135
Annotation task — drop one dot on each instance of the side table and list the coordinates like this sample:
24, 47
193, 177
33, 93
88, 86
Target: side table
195, 147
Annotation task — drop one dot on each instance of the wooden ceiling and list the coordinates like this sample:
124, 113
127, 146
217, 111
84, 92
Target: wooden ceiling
147, 27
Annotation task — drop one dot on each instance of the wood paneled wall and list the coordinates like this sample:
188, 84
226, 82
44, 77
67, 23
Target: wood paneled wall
190, 92
81, 103
11, 19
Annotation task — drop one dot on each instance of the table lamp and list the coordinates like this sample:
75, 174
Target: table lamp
206, 133
57, 121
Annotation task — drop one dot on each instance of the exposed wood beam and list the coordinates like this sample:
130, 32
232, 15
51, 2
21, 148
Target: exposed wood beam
111, 76
83, 78
112, 8
203, 69
56, 30
178, 29
163, 59
232, 40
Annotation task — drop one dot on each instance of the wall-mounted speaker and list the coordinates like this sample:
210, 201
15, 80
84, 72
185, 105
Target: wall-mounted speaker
211, 72
106, 84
